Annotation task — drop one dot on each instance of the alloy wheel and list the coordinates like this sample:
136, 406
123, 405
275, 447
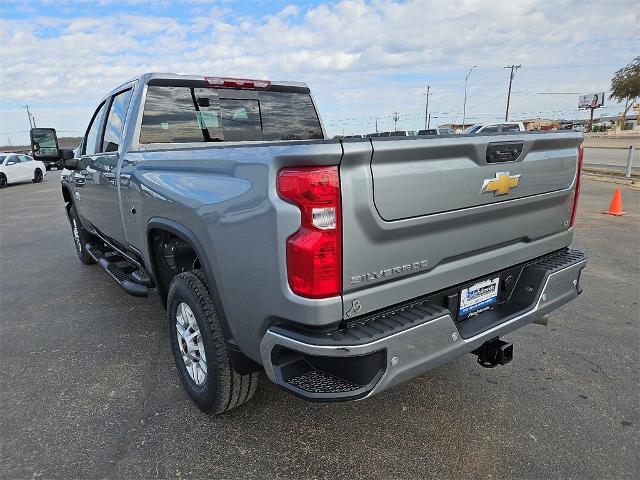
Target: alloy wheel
190, 344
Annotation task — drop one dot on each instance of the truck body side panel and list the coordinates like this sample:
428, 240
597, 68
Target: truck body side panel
226, 196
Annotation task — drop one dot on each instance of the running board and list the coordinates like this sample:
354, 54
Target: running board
109, 261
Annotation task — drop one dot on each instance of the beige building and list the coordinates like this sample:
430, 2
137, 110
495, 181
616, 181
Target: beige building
540, 124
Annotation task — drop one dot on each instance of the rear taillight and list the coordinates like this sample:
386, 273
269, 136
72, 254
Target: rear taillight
577, 194
314, 252
238, 82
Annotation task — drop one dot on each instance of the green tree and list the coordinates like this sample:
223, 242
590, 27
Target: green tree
625, 86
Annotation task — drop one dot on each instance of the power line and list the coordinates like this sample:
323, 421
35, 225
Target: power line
546, 93
490, 87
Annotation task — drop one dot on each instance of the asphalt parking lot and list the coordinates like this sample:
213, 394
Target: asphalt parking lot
88, 386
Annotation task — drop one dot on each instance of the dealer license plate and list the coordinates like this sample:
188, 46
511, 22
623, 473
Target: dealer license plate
478, 297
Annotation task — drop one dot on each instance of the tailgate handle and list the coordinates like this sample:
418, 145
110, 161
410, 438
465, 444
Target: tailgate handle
498, 152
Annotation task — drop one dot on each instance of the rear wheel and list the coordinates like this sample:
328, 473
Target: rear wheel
37, 176
199, 349
59, 166
80, 236
3, 180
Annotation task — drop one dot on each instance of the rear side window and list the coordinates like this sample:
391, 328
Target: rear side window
185, 114
115, 122
92, 134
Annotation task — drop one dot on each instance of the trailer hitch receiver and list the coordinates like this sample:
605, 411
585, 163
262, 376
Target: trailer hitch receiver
494, 352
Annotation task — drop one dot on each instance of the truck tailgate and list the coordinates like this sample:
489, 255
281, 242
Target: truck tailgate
424, 214
414, 178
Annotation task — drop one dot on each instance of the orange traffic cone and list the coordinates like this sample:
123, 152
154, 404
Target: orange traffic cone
616, 204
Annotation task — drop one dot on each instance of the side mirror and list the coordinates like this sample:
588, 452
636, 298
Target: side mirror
66, 153
44, 142
70, 163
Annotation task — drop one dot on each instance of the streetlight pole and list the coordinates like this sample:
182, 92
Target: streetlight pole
464, 108
426, 109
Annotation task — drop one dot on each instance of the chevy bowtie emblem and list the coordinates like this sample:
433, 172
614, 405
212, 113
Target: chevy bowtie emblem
501, 184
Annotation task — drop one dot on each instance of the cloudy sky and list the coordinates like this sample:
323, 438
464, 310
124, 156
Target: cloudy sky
362, 59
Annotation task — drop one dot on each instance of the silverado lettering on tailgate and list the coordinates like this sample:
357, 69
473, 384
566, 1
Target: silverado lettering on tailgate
389, 272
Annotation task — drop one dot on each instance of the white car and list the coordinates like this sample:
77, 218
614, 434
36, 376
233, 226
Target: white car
16, 167
495, 127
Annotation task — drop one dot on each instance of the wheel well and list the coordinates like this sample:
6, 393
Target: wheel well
66, 195
170, 255
185, 257
68, 199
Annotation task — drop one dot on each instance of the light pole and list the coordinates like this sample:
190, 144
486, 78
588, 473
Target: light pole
464, 108
426, 109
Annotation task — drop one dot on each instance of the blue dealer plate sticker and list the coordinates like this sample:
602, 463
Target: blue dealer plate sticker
478, 296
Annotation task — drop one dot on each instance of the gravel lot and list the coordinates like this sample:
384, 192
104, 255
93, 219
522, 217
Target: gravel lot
88, 386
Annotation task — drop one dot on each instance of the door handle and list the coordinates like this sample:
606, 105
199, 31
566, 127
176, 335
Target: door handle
499, 152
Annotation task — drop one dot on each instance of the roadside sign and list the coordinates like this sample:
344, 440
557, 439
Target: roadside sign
593, 100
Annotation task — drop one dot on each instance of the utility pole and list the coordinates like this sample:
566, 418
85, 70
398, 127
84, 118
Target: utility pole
29, 116
376, 124
426, 109
511, 76
396, 117
464, 107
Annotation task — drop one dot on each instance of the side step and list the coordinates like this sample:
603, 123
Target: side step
119, 270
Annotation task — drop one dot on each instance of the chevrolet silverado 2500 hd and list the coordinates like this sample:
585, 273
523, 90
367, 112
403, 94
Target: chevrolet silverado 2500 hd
340, 268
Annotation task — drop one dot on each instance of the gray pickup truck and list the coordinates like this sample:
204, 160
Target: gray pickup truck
340, 268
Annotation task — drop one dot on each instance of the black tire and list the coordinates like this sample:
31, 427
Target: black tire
59, 166
80, 236
223, 387
37, 176
3, 180
48, 167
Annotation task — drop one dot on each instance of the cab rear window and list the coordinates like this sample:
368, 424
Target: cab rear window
191, 114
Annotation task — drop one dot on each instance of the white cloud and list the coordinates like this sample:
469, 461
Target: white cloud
361, 59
